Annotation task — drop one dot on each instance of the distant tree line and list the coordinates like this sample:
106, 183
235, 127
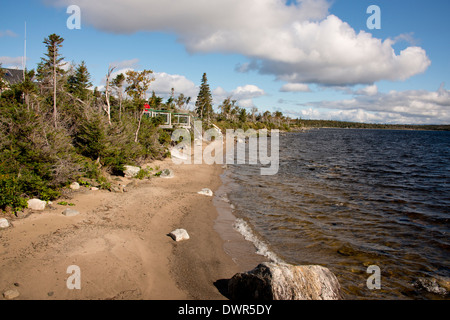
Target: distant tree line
301, 123
231, 116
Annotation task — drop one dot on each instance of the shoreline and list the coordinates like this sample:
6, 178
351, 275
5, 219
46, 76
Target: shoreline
120, 242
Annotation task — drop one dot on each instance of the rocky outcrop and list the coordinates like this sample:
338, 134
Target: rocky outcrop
36, 204
278, 281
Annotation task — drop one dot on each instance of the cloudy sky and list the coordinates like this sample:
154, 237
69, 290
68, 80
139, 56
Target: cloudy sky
314, 59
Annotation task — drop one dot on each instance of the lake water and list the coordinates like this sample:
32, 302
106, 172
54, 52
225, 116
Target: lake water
349, 199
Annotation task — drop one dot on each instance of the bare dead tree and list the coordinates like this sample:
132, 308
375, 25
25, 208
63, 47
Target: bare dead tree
108, 94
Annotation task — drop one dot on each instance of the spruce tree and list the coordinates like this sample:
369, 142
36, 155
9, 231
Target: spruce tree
50, 67
204, 100
79, 82
28, 87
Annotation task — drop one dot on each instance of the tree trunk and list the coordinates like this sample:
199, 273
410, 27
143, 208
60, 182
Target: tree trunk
139, 126
120, 107
27, 101
110, 70
108, 111
54, 87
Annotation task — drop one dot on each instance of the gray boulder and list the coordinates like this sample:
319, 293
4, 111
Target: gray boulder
4, 223
130, 171
179, 235
36, 204
167, 174
278, 281
75, 186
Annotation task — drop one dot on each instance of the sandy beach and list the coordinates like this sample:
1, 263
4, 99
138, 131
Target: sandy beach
120, 242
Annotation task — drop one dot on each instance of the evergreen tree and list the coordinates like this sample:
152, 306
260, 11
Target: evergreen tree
79, 82
204, 100
49, 69
242, 115
155, 101
28, 87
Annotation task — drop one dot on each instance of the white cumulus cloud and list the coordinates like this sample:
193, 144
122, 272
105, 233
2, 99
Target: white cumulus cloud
408, 107
299, 43
11, 62
243, 95
295, 87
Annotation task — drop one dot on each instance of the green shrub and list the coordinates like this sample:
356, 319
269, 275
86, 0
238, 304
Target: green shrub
144, 173
10, 194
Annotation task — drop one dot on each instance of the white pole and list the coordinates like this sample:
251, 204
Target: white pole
24, 64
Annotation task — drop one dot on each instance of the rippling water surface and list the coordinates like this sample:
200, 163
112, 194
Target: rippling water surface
348, 199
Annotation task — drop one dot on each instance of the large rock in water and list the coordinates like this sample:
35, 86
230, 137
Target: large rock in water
274, 281
438, 285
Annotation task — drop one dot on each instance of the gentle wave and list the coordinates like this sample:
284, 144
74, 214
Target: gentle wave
261, 247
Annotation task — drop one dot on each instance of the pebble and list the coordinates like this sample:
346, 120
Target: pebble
206, 192
70, 212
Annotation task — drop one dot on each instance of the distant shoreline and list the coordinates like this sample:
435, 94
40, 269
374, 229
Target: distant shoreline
331, 124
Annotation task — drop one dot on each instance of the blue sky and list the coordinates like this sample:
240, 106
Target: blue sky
314, 59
